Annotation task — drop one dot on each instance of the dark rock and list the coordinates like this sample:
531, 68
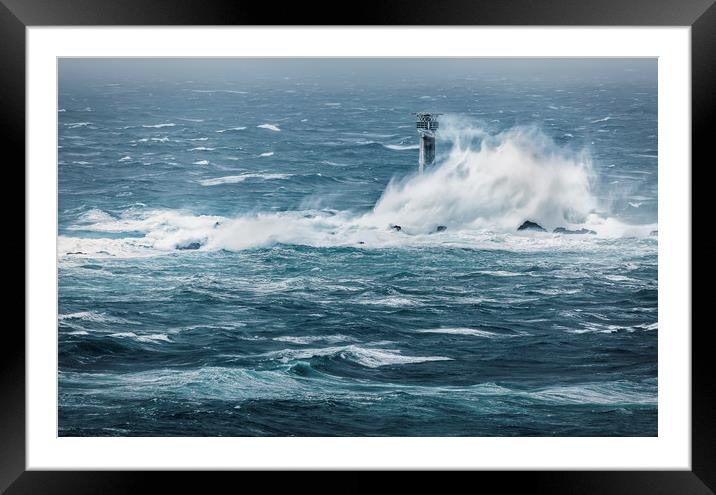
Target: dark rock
527, 225
562, 230
217, 224
361, 242
654, 233
191, 245
76, 252
441, 228
397, 228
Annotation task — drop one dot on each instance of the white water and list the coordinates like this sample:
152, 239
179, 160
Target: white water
484, 188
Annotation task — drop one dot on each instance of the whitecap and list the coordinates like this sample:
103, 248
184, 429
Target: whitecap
466, 331
231, 129
365, 356
233, 179
94, 317
401, 147
268, 153
270, 127
157, 126
619, 392
310, 339
153, 338
500, 273
83, 315
201, 162
390, 301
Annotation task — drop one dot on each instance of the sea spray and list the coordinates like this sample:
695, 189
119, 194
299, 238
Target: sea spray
484, 186
502, 181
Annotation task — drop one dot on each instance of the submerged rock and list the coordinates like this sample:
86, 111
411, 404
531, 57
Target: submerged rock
527, 225
191, 245
397, 228
562, 230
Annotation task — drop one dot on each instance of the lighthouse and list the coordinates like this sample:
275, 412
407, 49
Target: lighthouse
427, 124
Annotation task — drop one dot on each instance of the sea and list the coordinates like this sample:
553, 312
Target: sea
246, 248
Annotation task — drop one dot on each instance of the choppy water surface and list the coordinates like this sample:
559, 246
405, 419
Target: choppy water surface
227, 266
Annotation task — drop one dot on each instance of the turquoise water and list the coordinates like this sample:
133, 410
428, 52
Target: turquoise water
227, 264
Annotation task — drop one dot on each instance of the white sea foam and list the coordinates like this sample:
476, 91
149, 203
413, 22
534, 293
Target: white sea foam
231, 129
365, 356
158, 126
500, 273
619, 392
514, 176
485, 187
311, 339
270, 127
201, 162
268, 153
75, 125
153, 338
466, 331
591, 327
600, 120
125, 158
202, 148
94, 317
83, 315
233, 179
390, 301
401, 147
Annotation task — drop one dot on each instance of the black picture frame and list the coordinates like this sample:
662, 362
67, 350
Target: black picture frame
700, 15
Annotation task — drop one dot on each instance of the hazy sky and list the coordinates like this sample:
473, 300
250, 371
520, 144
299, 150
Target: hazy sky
356, 70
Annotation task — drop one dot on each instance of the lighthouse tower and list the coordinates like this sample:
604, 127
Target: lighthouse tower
427, 124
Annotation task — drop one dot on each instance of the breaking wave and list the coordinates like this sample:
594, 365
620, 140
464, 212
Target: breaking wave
158, 126
364, 356
480, 192
233, 179
245, 384
472, 332
270, 127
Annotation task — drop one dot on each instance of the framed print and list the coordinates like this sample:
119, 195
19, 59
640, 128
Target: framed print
453, 238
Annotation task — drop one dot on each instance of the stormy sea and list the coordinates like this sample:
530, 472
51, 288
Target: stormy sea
246, 248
